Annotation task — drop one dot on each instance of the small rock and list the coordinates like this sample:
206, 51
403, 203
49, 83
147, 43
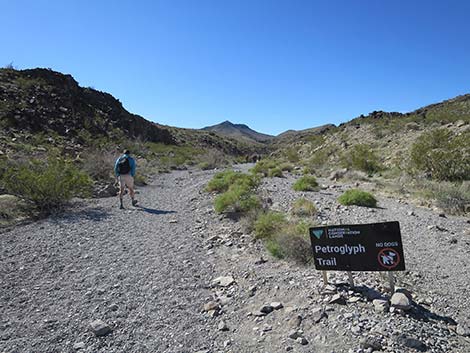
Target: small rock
79, 345
381, 305
411, 213
222, 326
260, 261
266, 309
372, 343
463, 329
211, 306
294, 334
337, 299
295, 321
356, 329
289, 348
401, 301
318, 314
223, 281
100, 328
413, 343
277, 305
267, 328
302, 340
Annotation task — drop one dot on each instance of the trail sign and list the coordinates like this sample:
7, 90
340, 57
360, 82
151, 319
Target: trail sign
358, 247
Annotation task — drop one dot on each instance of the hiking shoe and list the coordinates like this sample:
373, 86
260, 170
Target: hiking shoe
134, 202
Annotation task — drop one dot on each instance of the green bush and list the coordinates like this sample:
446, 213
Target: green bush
274, 248
223, 180
268, 223
263, 166
291, 242
306, 183
238, 198
441, 155
362, 157
358, 198
237, 191
275, 172
304, 208
48, 184
286, 167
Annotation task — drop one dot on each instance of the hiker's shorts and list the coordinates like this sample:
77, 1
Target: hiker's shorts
126, 180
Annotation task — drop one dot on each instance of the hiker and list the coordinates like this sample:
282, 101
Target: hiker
124, 168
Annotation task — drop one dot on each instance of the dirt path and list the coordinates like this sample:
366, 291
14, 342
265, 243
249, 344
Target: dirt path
147, 272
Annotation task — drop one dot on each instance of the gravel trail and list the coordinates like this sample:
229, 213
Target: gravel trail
147, 272
140, 270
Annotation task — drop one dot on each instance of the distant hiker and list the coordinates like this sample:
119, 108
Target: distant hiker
124, 168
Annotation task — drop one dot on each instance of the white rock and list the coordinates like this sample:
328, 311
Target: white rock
223, 281
401, 301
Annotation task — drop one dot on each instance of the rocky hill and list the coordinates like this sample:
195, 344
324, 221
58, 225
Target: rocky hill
238, 131
42, 101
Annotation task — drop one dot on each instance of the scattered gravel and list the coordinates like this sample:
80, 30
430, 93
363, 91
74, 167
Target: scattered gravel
173, 276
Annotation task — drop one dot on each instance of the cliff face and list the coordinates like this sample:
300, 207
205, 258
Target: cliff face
42, 100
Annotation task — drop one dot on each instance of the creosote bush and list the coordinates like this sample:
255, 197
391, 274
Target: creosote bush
357, 197
236, 191
304, 208
306, 183
263, 167
441, 155
268, 223
362, 157
223, 180
275, 172
48, 184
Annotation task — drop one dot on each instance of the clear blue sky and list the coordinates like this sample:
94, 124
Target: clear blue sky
271, 64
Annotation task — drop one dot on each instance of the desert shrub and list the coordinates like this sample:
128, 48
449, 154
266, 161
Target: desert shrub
292, 154
441, 155
286, 167
223, 180
357, 197
362, 157
454, 199
306, 183
275, 172
140, 179
274, 248
304, 208
263, 166
48, 184
211, 159
291, 241
237, 191
99, 165
238, 198
268, 223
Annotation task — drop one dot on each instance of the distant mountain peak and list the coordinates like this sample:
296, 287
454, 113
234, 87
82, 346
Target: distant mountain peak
238, 131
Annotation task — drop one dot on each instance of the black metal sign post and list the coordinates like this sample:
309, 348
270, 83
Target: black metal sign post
358, 247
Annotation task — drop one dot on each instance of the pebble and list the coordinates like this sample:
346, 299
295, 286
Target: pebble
223, 281
222, 326
277, 305
79, 345
100, 328
337, 299
401, 301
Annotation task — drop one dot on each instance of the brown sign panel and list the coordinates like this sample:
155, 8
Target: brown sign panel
358, 247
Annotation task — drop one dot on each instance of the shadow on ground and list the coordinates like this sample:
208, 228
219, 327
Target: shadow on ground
93, 214
153, 211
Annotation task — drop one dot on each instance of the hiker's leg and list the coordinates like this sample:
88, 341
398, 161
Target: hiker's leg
122, 186
130, 186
